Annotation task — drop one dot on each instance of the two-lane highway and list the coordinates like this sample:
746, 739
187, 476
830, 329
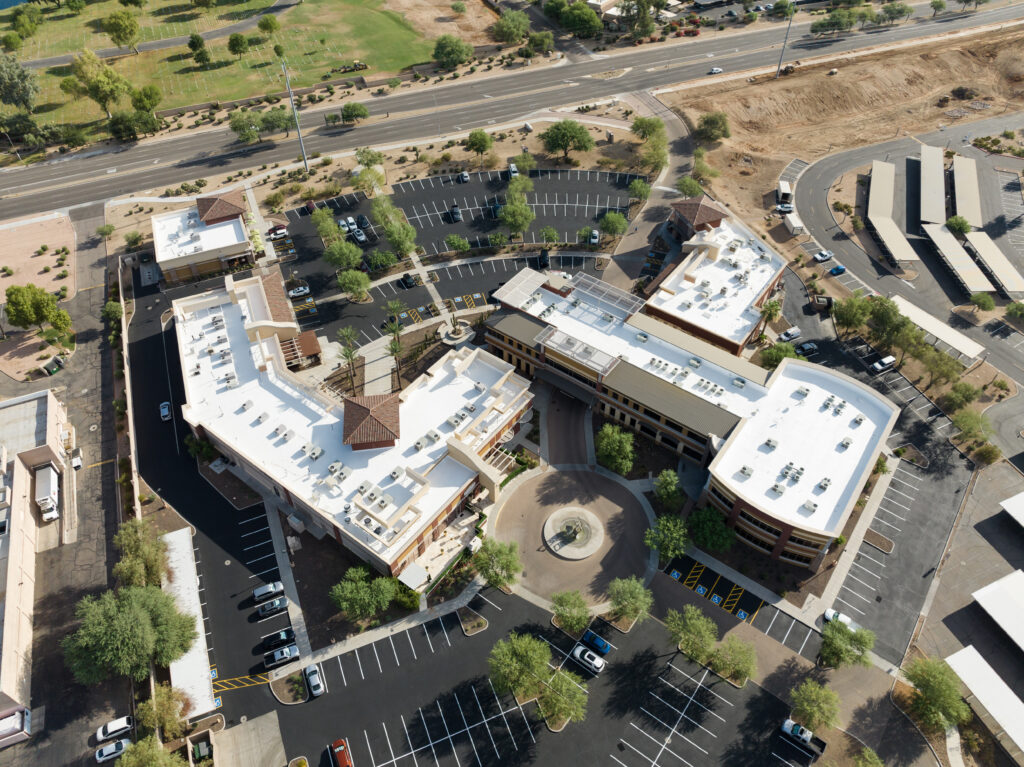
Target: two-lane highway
94, 175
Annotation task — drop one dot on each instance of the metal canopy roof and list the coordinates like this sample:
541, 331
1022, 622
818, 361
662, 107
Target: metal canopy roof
609, 297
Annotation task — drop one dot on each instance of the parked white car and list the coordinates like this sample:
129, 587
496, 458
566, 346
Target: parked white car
114, 728
112, 750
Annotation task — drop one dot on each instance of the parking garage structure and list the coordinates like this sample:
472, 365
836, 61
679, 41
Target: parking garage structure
788, 450
386, 475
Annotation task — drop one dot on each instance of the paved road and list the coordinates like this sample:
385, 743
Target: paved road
93, 174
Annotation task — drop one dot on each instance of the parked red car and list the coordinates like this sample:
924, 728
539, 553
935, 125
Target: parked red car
342, 757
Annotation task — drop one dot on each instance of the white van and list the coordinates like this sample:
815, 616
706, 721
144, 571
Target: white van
263, 593
884, 364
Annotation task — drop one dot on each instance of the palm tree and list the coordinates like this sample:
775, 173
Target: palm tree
347, 337
769, 312
393, 328
350, 354
395, 350
395, 307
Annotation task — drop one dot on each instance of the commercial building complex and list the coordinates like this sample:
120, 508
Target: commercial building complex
207, 238
382, 474
35, 437
787, 451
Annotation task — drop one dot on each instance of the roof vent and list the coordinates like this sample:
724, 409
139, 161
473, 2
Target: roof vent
810, 505
705, 283
479, 385
684, 305
859, 419
383, 502
642, 337
694, 363
846, 442
771, 444
739, 383
608, 317
363, 487
803, 391
825, 482
778, 489
397, 472
453, 421
433, 435
746, 471
420, 443
723, 290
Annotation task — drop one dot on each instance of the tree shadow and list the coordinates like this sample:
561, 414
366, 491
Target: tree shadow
183, 18
168, 10
894, 738
180, 56
213, 65
49, 106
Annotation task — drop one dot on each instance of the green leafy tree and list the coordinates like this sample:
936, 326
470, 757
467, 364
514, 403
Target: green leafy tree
238, 45
123, 29
353, 111
322, 220
938, 6
955, 224
972, 424
269, 24
393, 310
646, 127
401, 235
456, 243
196, 42
368, 158
983, 301
519, 665
395, 350
133, 240
497, 240
132, 3
93, 79
709, 531
571, 611
25, 20
635, 15
524, 162
960, 395
166, 710
343, 255
614, 448
639, 189
143, 560
814, 705
770, 311
773, 356
909, 339
886, 320
940, 366
1015, 310
564, 698
29, 305
518, 188
479, 142
688, 186
666, 489
202, 57
112, 312
146, 98
512, 27
359, 596
61, 321
458, 8
549, 234
891, 12
516, 215
630, 599
713, 126
369, 181
498, 563
149, 752
11, 42
451, 51
654, 154
355, 283
122, 632
613, 223
278, 48
850, 313
986, 455
844, 646
18, 85
580, 19
567, 136
734, 659
75, 7
668, 537
105, 231
542, 42
277, 120
693, 632
244, 124
867, 757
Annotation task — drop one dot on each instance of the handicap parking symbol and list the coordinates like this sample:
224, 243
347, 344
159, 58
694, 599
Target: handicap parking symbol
741, 614
716, 599
702, 590
458, 299
676, 574
213, 673
216, 702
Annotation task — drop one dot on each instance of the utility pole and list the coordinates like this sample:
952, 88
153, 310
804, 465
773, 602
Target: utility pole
778, 69
295, 114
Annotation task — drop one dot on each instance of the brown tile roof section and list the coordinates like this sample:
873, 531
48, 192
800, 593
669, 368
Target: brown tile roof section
699, 211
370, 419
307, 344
277, 299
221, 206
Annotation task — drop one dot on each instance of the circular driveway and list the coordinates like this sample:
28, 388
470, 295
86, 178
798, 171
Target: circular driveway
622, 553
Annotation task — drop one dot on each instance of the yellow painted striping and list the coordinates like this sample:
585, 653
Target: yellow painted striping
99, 463
711, 591
238, 682
733, 598
756, 612
695, 572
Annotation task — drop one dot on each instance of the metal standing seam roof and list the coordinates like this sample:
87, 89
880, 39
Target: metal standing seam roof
882, 190
994, 695
1003, 600
894, 240
965, 190
1014, 506
956, 258
992, 258
942, 331
933, 186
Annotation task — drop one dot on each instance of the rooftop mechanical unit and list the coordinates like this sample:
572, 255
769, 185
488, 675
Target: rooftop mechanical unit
746, 471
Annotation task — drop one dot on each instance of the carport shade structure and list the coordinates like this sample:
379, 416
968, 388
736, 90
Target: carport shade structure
966, 198
990, 692
1003, 600
880, 200
953, 255
933, 186
1014, 506
1004, 275
940, 330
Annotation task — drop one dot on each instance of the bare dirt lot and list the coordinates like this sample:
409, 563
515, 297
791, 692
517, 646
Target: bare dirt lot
433, 18
870, 99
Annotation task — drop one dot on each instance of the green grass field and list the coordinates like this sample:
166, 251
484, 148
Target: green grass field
349, 30
62, 32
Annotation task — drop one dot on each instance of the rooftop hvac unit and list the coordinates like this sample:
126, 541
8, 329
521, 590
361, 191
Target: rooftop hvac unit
262, 417
363, 487
825, 482
344, 474
739, 383
734, 263
371, 496
479, 386
608, 317
642, 337
685, 305
397, 472
471, 407
335, 467
723, 290
803, 391
382, 503
420, 444
684, 373
463, 415
453, 421
764, 257
810, 505
694, 363
771, 444
859, 420
779, 489
846, 442
348, 508
705, 283
746, 471
433, 435
576, 302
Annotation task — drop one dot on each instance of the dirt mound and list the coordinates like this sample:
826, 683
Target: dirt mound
433, 18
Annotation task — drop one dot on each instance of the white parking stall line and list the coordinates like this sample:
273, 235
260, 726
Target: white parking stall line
906, 473
724, 700
854, 593
501, 708
857, 564
685, 695
245, 535
788, 630
900, 492
890, 524
257, 545
483, 720
617, 760
450, 741
672, 731
429, 739
252, 519
260, 559
388, 739
408, 740
368, 748
896, 503
488, 601
341, 668
862, 583
776, 615
855, 609
664, 747
407, 636
892, 513
802, 644
784, 761
441, 621
391, 639
379, 667
264, 572
356, 651
526, 721
876, 561
684, 716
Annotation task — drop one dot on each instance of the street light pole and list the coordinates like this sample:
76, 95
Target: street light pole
16, 152
778, 69
295, 114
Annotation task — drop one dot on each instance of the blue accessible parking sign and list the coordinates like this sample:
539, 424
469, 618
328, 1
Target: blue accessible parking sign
702, 590
676, 574
716, 599
741, 614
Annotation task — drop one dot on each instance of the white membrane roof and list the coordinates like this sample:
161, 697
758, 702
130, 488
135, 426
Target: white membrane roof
715, 288
180, 233
802, 456
1003, 600
991, 692
279, 426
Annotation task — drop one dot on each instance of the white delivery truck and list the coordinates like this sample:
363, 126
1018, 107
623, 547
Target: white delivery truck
48, 492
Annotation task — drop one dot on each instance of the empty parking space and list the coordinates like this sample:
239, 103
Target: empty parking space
1013, 208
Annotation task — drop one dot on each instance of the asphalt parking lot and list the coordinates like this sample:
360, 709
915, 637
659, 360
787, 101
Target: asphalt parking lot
423, 697
734, 600
564, 199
